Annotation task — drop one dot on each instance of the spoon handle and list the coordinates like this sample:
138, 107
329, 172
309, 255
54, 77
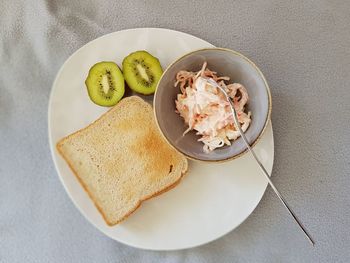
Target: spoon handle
237, 124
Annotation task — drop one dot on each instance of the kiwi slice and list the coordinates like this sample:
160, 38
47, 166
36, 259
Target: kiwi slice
142, 72
105, 83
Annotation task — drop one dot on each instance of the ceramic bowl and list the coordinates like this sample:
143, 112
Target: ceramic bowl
226, 63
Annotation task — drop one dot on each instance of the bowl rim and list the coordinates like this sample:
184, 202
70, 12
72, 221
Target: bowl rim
268, 116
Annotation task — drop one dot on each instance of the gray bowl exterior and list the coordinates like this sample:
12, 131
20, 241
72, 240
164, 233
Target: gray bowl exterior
226, 63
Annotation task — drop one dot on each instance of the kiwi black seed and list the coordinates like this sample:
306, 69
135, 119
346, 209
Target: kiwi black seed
142, 72
105, 84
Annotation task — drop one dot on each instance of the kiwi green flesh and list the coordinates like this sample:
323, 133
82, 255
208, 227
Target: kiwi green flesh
142, 72
105, 84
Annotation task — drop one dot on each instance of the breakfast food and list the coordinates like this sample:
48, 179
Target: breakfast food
205, 109
121, 159
105, 84
142, 72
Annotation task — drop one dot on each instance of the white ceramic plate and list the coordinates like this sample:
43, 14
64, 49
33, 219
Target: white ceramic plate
210, 201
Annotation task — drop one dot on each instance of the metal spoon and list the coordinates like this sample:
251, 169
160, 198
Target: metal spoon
237, 124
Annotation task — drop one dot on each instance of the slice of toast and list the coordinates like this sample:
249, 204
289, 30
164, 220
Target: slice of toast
122, 159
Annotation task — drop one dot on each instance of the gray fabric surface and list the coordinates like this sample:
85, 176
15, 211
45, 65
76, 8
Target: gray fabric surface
301, 46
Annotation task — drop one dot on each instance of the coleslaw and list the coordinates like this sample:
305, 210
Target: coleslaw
205, 109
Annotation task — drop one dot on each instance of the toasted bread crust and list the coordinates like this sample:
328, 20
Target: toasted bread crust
90, 194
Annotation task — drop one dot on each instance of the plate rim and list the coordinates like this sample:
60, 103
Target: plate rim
52, 145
